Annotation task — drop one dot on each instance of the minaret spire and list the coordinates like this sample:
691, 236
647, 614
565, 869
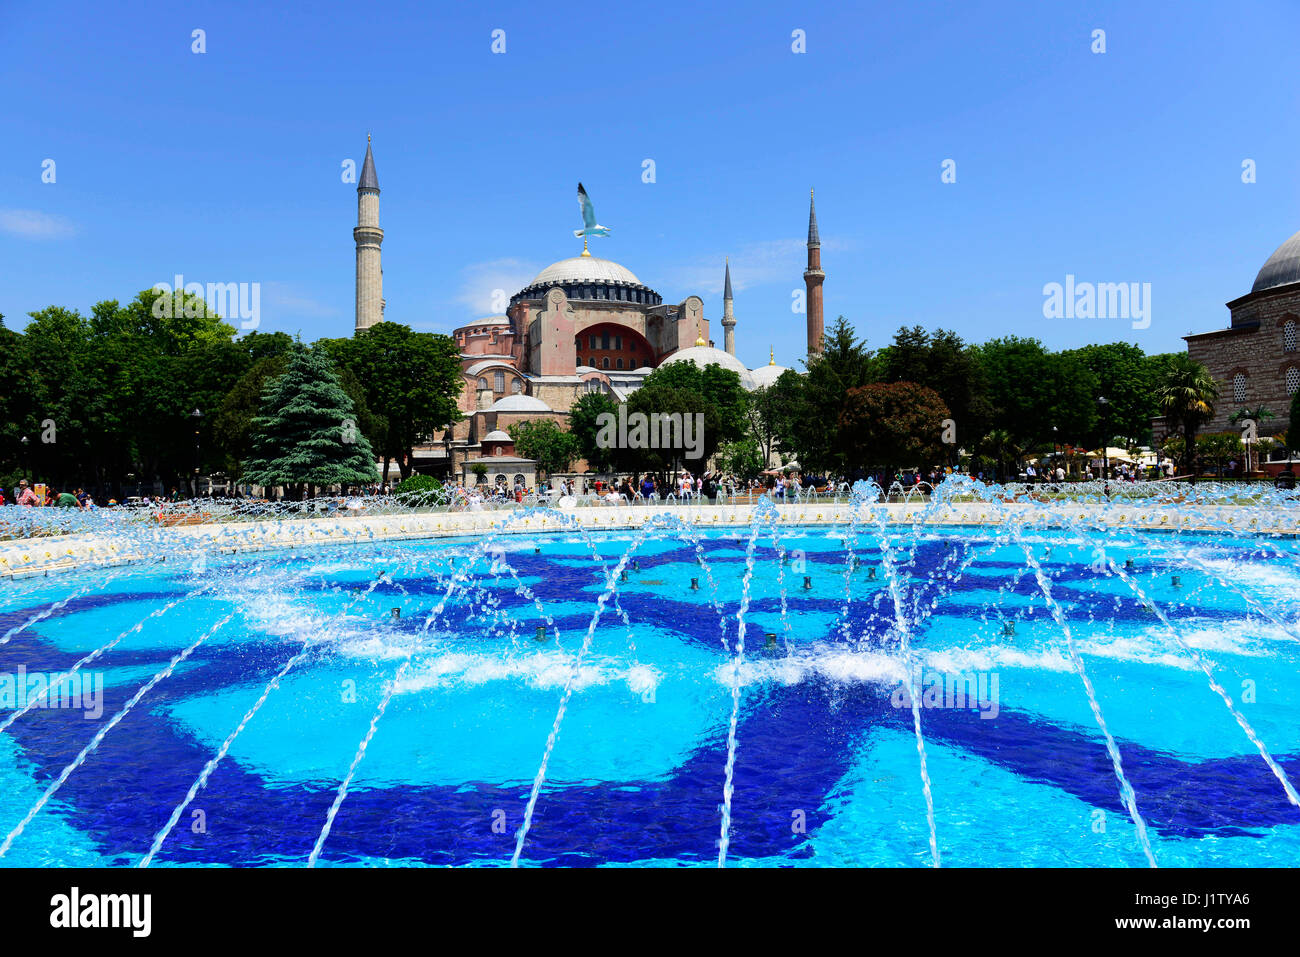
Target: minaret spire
728, 316
813, 278
368, 237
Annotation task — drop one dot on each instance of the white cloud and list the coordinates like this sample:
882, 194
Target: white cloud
33, 224
484, 285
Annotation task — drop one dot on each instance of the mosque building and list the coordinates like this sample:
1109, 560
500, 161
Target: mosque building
582, 324
1256, 360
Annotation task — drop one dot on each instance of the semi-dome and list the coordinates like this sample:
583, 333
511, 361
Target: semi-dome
708, 355
590, 277
519, 403
1282, 268
496, 435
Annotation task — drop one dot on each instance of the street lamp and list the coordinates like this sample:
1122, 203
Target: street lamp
26, 466
1056, 448
1103, 408
197, 416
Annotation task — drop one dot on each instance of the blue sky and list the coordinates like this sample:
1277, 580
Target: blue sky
225, 166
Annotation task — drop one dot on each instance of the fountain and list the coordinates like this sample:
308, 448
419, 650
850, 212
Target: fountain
967, 676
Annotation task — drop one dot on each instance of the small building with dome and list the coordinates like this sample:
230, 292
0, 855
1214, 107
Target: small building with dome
1256, 359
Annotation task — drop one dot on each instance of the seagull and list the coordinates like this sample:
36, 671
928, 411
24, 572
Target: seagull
589, 225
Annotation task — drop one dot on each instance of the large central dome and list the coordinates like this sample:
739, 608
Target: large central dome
585, 269
1282, 268
590, 278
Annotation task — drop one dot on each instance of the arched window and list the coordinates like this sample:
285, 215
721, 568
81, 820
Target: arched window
619, 362
501, 480
1292, 380
604, 340
519, 480
482, 383
605, 362
500, 378
515, 386
1239, 388
1289, 336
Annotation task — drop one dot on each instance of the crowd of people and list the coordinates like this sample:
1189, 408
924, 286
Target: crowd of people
44, 496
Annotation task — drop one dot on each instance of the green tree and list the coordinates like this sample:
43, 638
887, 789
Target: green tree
893, 425
1031, 390
1256, 415
743, 459
1125, 375
546, 443
809, 423
412, 381
302, 437
659, 398
944, 363
1186, 394
584, 424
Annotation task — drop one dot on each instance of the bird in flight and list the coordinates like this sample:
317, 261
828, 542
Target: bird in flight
589, 225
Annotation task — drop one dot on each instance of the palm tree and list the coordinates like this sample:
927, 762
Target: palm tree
1186, 394
1256, 415
1001, 448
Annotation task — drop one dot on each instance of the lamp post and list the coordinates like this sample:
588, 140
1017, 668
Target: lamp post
1056, 450
1103, 408
197, 416
26, 465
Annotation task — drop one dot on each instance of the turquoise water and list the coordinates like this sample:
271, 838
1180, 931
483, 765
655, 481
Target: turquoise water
826, 763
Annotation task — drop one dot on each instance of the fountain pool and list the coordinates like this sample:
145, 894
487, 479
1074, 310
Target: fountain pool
678, 693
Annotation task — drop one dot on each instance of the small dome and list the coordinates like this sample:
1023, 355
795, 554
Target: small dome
708, 355
764, 376
1282, 268
496, 435
519, 403
585, 269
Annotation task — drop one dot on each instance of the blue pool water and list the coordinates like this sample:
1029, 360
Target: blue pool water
826, 763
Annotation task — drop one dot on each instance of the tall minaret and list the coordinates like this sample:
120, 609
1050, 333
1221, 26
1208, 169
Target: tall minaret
813, 278
728, 319
370, 275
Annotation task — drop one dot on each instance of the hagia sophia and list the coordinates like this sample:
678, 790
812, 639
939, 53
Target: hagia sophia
583, 324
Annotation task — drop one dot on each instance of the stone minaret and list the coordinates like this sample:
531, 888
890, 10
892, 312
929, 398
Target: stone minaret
728, 319
370, 275
813, 278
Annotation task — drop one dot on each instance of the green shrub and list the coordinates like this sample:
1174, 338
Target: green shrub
417, 487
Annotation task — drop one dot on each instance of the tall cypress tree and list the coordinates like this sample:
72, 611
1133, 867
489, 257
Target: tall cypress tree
307, 432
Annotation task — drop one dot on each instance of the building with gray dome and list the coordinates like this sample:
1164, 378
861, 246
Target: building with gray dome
1256, 359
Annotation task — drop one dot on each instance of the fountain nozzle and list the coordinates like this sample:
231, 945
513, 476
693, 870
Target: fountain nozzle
541, 633
807, 582
695, 584
397, 613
